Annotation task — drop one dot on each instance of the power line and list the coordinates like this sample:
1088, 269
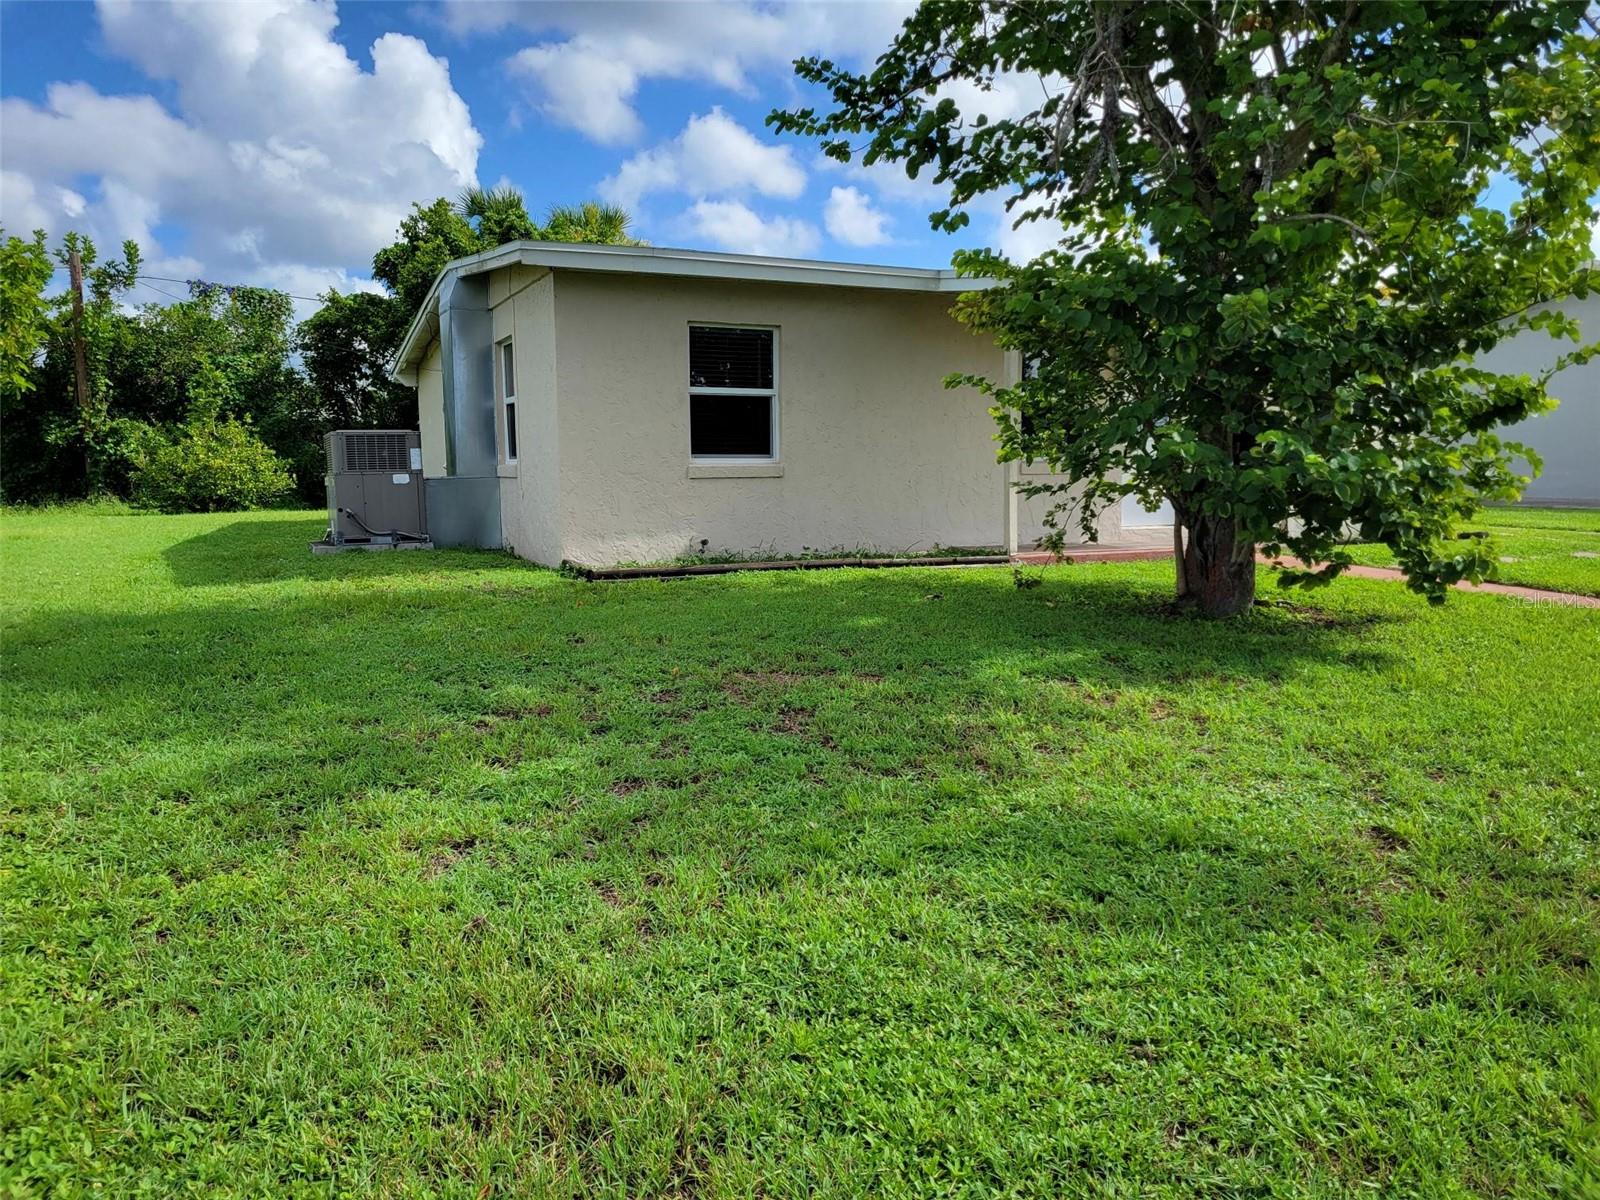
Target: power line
162, 291
228, 287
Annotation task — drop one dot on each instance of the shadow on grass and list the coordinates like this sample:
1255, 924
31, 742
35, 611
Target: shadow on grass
468, 621
436, 676
733, 718
270, 551
467, 814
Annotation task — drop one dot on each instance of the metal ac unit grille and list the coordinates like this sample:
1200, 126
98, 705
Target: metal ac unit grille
375, 452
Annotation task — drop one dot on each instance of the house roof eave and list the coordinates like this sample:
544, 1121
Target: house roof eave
667, 261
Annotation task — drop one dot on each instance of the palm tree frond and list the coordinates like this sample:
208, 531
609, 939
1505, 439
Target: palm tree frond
590, 222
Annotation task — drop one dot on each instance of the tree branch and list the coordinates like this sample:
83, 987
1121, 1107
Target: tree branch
1298, 142
1360, 230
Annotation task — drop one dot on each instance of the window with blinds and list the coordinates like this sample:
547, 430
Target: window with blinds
733, 392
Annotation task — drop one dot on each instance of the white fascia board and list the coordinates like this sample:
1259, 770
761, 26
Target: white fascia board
706, 264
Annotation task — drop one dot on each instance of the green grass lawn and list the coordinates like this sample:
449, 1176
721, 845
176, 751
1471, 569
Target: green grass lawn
438, 874
1556, 548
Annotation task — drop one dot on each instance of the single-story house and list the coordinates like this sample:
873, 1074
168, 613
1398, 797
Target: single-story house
605, 404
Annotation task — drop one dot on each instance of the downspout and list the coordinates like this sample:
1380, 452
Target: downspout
1011, 470
1009, 474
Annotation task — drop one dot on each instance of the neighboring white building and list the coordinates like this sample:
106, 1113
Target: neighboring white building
1568, 439
604, 404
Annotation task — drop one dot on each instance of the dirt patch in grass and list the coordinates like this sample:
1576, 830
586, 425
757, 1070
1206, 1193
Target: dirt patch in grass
448, 854
793, 720
1384, 840
1085, 693
742, 684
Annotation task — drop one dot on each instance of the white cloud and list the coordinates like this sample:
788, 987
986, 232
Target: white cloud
272, 70
583, 87
1027, 241
281, 158
588, 74
713, 155
729, 225
21, 209
851, 219
1006, 96
890, 181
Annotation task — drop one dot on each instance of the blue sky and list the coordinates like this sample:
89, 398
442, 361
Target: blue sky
279, 143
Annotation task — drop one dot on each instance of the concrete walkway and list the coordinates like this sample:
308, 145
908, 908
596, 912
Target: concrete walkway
1141, 542
1531, 594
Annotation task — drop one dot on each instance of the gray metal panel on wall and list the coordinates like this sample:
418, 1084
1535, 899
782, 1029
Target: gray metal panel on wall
466, 337
1567, 439
464, 511
464, 506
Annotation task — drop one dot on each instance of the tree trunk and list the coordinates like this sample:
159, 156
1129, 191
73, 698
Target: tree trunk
1218, 571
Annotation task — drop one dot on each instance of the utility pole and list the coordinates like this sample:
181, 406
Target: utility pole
80, 364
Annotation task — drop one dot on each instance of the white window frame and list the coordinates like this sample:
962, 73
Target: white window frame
504, 350
771, 393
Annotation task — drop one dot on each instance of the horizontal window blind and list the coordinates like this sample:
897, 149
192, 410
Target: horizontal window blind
730, 358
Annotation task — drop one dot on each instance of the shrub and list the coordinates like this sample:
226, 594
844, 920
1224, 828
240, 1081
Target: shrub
215, 466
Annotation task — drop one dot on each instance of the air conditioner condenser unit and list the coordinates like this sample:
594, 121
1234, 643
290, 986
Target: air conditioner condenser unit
375, 493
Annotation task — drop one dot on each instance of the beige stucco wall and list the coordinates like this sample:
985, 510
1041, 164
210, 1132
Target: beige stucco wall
874, 451
1568, 439
522, 308
1031, 510
430, 411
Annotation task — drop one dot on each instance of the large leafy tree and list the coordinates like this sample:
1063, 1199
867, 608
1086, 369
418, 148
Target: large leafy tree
481, 219
170, 355
246, 332
1286, 229
344, 347
25, 269
218, 358
430, 236
50, 445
